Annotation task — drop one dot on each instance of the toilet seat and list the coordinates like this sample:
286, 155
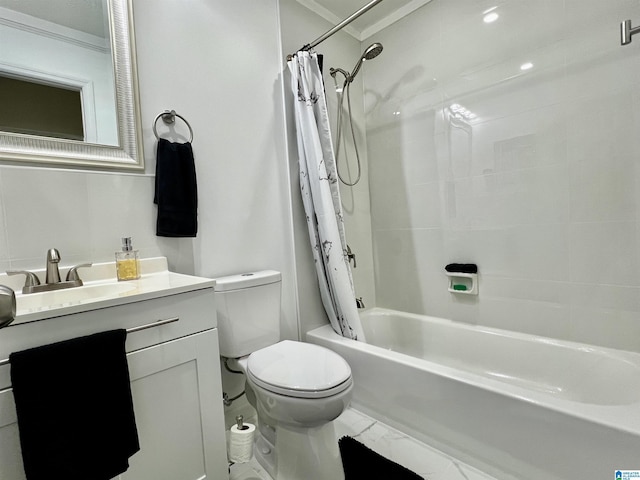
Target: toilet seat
301, 370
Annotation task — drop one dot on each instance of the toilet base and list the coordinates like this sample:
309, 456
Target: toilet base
265, 454
309, 453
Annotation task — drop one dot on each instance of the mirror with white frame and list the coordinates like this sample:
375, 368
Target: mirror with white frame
71, 69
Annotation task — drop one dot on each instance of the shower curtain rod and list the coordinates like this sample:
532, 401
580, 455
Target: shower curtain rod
338, 27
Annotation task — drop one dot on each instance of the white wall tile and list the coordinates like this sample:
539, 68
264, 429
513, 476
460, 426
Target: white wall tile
121, 206
604, 189
541, 189
604, 253
45, 209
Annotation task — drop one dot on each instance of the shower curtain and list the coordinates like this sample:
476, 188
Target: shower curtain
321, 197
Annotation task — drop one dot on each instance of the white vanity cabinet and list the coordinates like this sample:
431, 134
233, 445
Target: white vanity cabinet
175, 382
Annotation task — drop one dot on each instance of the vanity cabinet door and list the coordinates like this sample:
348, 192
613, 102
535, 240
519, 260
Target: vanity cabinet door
10, 453
177, 399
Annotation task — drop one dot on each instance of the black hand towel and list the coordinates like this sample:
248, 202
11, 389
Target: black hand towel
176, 190
74, 407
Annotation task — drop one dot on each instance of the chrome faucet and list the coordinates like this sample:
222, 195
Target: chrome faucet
52, 276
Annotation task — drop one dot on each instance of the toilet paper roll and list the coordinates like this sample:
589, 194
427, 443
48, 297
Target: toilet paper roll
241, 443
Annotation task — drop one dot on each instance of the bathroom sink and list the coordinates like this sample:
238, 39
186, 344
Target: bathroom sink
70, 296
101, 289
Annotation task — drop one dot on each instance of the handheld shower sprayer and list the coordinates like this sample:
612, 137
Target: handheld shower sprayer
372, 51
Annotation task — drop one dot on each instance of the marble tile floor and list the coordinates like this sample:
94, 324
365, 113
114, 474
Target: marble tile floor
389, 442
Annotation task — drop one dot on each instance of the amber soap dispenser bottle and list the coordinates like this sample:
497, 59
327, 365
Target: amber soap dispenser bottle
127, 261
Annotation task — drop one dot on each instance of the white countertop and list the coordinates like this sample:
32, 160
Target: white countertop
156, 281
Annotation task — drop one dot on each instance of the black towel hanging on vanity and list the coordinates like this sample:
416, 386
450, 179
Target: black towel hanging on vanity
75, 409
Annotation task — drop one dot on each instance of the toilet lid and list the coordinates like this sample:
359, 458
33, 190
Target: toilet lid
299, 370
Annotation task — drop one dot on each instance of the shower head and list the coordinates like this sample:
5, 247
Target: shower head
372, 51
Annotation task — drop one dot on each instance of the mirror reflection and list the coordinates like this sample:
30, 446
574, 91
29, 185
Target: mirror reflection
86, 47
56, 70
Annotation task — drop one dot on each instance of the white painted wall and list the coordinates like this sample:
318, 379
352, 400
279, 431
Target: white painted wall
218, 64
541, 190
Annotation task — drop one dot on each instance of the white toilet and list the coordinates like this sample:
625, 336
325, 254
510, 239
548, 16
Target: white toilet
297, 388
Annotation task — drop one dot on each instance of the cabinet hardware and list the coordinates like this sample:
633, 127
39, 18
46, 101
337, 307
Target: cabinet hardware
129, 330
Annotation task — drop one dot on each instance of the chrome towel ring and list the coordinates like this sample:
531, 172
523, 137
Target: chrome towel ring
169, 117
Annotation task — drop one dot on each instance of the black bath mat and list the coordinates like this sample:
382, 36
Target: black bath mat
360, 463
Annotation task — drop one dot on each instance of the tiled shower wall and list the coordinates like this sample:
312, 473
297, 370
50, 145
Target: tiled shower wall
539, 185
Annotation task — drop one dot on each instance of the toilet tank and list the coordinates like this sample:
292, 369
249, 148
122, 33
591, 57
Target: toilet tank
248, 308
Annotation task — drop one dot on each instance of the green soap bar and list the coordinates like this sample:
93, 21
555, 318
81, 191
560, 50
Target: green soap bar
462, 288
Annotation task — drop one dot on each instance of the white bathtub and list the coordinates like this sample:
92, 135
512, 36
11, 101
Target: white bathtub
517, 406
